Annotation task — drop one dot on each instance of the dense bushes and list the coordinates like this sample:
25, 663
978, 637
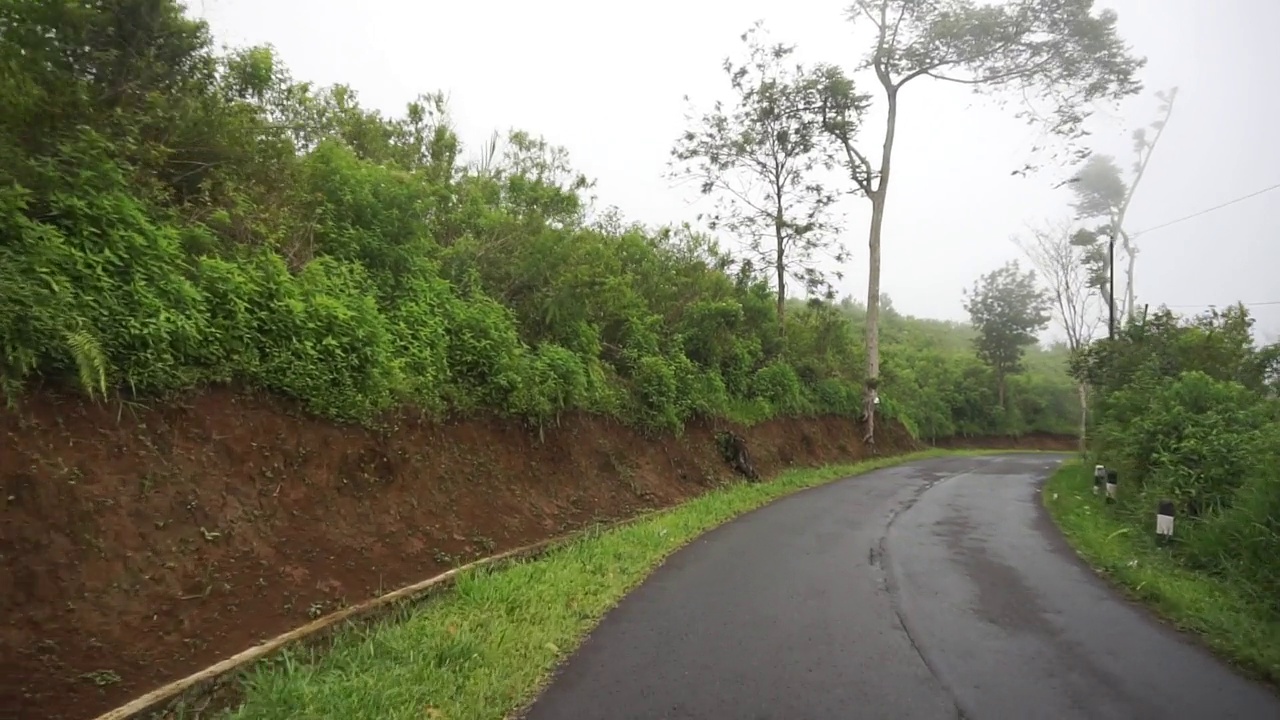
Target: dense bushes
207, 219
1187, 410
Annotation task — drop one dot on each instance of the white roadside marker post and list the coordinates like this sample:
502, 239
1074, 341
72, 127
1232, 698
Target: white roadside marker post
1112, 481
1164, 521
1099, 475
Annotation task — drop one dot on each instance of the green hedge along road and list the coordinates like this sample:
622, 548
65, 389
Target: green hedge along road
937, 589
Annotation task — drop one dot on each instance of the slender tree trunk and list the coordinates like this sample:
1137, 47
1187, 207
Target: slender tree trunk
1110, 293
1084, 417
1000, 391
780, 265
873, 317
873, 272
1144, 158
1130, 254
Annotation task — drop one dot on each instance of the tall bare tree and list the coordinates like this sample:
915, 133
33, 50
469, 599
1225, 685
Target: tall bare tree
1103, 193
1076, 299
1058, 51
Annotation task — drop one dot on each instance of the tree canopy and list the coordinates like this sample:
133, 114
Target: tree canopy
1008, 308
1054, 53
759, 158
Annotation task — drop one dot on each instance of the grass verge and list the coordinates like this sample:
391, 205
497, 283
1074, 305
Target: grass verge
1228, 618
484, 648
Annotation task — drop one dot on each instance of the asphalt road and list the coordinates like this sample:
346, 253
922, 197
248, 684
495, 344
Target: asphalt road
932, 590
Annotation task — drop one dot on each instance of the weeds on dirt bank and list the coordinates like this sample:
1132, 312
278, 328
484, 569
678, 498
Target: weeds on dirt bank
1231, 616
483, 649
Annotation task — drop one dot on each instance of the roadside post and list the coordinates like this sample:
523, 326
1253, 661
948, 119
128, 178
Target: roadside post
1113, 479
1164, 521
1099, 476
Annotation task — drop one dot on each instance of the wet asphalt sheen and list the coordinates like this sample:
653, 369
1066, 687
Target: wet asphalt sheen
937, 589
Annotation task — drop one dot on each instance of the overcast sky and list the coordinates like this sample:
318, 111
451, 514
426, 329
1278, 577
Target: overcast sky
607, 81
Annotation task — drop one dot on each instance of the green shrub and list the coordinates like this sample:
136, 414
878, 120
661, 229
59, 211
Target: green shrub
1182, 410
217, 220
553, 380
702, 391
94, 264
658, 400
836, 396
420, 338
484, 353
1191, 438
1244, 541
778, 383
329, 344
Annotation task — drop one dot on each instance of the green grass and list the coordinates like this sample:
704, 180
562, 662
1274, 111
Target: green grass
1228, 617
484, 648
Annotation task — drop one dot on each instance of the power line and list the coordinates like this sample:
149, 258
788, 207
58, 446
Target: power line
1208, 210
1231, 304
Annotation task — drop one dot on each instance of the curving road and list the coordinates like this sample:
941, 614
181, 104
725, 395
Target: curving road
937, 589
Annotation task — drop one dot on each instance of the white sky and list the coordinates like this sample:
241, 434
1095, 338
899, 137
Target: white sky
607, 81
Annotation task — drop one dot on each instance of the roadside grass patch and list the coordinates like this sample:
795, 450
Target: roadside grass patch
484, 648
1230, 617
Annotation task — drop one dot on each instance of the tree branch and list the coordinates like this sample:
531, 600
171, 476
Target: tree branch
991, 79
743, 198
879, 60
893, 40
863, 5
1142, 167
858, 160
928, 69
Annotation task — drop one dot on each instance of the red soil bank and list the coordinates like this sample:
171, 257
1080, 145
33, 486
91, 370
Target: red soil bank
140, 544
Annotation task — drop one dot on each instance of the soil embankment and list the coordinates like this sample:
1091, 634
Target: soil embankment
138, 545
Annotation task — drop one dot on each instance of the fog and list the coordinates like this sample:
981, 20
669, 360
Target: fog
607, 82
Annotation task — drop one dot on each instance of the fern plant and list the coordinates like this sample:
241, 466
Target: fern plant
90, 362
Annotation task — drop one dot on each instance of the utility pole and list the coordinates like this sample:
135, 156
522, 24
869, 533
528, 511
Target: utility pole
1111, 284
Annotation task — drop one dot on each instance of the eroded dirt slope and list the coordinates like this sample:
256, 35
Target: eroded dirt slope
138, 544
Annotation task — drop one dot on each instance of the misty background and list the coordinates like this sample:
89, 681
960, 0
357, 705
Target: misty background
607, 81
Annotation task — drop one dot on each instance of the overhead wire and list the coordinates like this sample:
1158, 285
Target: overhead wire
1206, 211
1207, 305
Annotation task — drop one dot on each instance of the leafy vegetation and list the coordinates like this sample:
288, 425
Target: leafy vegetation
1188, 410
175, 216
759, 158
1008, 309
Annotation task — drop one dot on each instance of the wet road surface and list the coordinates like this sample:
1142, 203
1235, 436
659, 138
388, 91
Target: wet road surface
932, 590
